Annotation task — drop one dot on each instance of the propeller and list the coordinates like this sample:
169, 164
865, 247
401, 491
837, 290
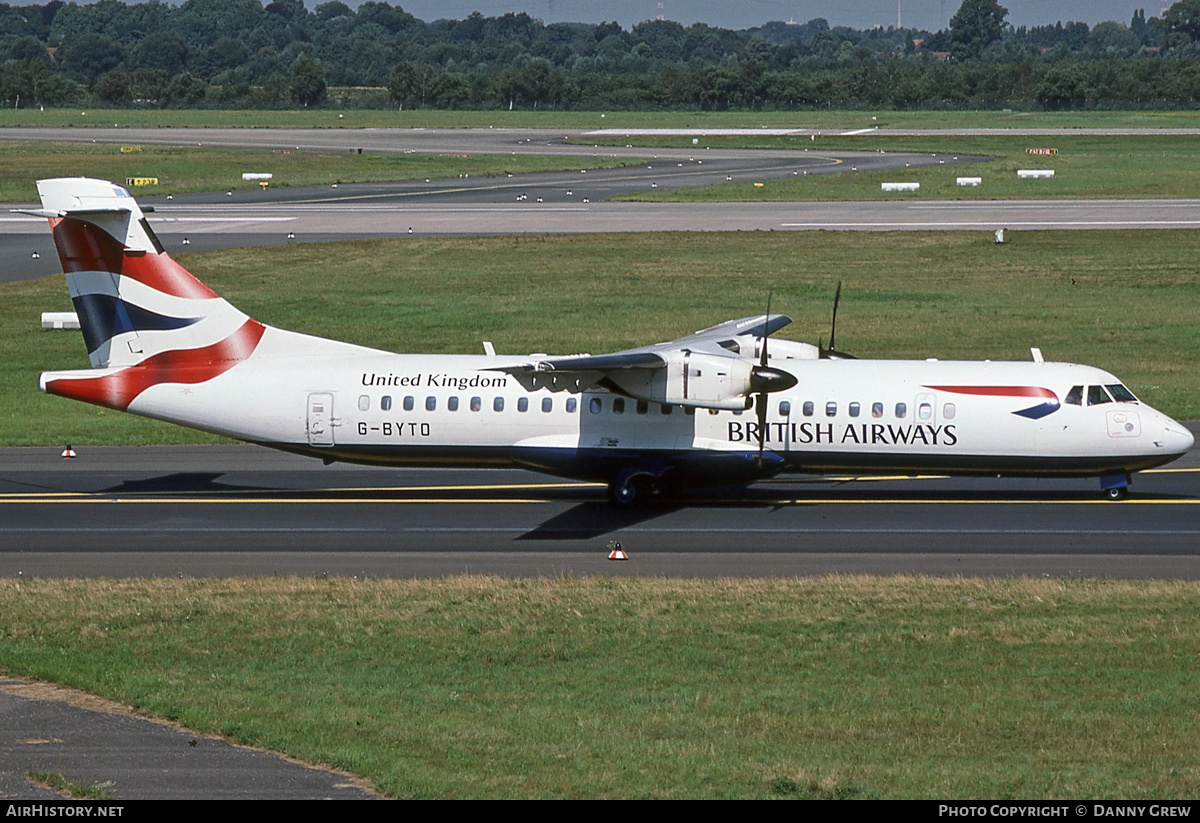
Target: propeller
832, 353
764, 380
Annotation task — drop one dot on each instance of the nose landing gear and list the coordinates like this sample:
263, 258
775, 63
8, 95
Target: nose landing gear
1115, 486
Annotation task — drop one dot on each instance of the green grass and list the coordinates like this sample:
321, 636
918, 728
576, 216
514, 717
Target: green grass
1125, 301
643, 687
69, 788
357, 118
1143, 166
196, 168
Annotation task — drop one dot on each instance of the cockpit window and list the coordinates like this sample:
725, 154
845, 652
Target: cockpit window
1097, 395
1121, 394
1075, 396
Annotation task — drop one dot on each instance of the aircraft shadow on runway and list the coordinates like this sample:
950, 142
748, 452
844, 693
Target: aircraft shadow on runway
191, 482
594, 506
594, 519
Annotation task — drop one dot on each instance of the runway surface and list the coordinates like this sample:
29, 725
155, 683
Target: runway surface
226, 510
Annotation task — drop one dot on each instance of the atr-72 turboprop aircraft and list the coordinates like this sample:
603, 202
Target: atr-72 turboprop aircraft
722, 406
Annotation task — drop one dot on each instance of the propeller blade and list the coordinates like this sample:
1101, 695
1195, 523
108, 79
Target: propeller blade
762, 361
764, 379
831, 353
837, 298
762, 426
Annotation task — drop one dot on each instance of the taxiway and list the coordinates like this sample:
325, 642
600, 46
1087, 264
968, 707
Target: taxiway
226, 510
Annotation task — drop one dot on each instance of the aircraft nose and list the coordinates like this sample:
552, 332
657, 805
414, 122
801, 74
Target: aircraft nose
1176, 438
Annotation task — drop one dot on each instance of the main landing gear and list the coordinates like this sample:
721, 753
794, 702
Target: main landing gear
634, 489
1115, 486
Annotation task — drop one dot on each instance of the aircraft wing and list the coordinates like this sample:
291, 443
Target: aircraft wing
664, 372
758, 326
656, 356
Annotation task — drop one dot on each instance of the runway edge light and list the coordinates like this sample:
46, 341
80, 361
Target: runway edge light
615, 552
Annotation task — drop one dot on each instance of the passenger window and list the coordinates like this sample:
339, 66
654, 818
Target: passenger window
618, 405
547, 404
689, 410
594, 405
364, 402
1097, 395
430, 403
385, 402
666, 408
831, 409
877, 410
1121, 394
642, 407
714, 411
901, 410
522, 404
476, 404
452, 403
807, 408
948, 411
498, 404
409, 402
571, 405
854, 409
924, 411
1075, 396
785, 408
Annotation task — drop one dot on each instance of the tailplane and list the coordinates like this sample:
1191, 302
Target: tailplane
145, 319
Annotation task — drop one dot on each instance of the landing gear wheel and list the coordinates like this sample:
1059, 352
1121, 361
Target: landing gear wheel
633, 491
624, 495
1117, 493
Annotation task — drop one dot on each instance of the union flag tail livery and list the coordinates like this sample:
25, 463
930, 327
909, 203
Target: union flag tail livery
727, 404
147, 322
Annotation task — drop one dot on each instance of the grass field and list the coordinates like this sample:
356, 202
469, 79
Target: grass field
1086, 166
198, 168
356, 118
642, 687
1125, 301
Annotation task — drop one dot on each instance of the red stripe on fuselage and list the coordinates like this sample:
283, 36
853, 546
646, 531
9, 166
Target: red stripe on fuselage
85, 247
998, 391
189, 366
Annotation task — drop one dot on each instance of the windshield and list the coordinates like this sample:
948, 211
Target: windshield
1121, 394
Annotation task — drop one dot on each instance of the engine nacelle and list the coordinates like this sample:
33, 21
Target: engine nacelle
703, 380
789, 350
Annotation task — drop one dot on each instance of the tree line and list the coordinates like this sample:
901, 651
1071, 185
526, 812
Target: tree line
240, 53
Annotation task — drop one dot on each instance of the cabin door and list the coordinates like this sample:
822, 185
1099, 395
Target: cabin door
320, 419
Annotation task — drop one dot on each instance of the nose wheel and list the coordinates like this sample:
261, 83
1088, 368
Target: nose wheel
1115, 486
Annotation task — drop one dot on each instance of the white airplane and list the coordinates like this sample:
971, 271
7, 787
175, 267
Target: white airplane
715, 407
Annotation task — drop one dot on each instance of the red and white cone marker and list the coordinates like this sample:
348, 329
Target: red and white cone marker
68, 452
615, 552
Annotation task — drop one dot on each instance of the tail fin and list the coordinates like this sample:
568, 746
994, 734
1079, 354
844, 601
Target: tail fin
145, 319
132, 299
